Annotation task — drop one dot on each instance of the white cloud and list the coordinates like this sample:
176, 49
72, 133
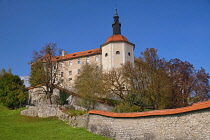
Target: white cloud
26, 80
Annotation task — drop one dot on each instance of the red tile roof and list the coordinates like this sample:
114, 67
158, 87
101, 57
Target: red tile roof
74, 55
194, 107
116, 38
81, 54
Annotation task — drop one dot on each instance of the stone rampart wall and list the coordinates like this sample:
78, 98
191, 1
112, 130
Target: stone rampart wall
188, 123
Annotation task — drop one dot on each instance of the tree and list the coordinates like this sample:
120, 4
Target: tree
188, 83
12, 91
90, 85
45, 69
116, 83
150, 85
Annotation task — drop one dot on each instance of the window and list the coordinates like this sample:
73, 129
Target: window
70, 63
61, 74
106, 54
62, 64
96, 58
70, 72
54, 67
70, 79
129, 54
88, 59
78, 61
117, 52
78, 71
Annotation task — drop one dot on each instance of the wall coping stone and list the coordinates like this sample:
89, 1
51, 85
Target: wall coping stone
194, 107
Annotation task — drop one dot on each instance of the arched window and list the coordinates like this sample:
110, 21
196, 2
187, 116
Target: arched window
106, 54
117, 52
129, 54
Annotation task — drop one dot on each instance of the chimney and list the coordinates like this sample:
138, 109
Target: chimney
63, 53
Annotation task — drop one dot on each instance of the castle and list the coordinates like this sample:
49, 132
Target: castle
112, 54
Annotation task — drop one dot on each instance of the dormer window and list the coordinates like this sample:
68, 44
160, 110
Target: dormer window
106, 54
117, 52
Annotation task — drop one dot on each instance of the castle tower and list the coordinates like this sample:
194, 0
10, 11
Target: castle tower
117, 50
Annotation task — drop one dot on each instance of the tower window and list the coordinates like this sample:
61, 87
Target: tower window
106, 54
117, 52
129, 54
78, 61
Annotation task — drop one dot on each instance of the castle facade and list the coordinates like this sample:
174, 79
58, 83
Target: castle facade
116, 51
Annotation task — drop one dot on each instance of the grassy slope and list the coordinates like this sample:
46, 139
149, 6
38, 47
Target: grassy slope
15, 126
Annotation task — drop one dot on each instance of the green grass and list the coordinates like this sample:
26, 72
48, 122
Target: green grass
15, 126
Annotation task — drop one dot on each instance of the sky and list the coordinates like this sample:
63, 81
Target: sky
177, 28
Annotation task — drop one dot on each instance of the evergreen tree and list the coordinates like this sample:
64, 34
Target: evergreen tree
12, 92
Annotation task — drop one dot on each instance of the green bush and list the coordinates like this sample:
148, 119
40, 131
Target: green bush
63, 97
125, 107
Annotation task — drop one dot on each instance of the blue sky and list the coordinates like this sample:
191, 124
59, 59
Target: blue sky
177, 28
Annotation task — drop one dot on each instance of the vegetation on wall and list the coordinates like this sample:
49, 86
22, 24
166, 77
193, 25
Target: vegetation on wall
63, 97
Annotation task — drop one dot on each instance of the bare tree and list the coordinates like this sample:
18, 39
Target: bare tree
45, 69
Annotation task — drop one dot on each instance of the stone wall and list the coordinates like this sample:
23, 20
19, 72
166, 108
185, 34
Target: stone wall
55, 111
189, 123
37, 97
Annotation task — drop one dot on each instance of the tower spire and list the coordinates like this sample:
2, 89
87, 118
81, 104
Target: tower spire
116, 13
116, 25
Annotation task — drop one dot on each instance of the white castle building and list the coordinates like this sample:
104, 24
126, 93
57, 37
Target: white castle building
116, 51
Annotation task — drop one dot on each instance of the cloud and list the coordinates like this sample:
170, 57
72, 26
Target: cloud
26, 80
